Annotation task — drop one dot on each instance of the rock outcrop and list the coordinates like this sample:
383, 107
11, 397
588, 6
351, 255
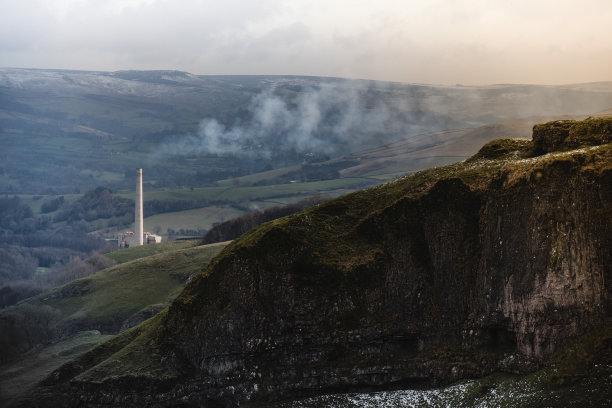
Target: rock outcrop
490, 264
564, 135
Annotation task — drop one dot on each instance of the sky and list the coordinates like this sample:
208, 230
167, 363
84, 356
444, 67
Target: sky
471, 42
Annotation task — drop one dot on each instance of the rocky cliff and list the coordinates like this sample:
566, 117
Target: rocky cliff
455, 272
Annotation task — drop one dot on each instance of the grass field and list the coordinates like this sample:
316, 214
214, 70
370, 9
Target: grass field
251, 193
239, 199
36, 201
248, 197
207, 217
196, 219
130, 254
147, 279
199, 218
258, 177
111, 296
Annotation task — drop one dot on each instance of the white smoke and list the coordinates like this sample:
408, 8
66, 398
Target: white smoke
320, 120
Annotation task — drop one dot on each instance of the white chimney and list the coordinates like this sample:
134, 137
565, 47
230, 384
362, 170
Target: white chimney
138, 222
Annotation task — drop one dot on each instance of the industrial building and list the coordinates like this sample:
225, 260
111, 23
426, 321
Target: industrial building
128, 239
139, 236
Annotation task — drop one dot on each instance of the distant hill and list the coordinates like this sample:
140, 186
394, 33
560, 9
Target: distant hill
444, 148
497, 263
406, 155
67, 131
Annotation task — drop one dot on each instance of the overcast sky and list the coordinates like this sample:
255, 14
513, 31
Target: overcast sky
437, 41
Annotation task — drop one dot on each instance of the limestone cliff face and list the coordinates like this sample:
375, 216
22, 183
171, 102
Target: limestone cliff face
545, 241
450, 273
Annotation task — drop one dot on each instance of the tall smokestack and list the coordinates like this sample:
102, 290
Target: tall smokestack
138, 223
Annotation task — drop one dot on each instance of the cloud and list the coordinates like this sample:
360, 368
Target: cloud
315, 120
409, 41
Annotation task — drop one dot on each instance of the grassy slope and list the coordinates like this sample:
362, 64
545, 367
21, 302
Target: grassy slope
146, 276
247, 193
133, 353
17, 378
130, 254
198, 218
117, 293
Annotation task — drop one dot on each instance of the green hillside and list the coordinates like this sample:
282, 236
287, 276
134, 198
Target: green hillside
18, 377
108, 299
137, 252
144, 282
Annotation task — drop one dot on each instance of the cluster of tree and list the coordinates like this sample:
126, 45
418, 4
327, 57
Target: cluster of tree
28, 242
52, 205
67, 237
174, 234
17, 263
315, 172
61, 272
96, 204
15, 215
16, 291
24, 327
152, 207
72, 269
235, 227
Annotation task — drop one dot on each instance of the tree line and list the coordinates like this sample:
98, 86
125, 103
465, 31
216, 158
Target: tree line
235, 227
28, 324
28, 242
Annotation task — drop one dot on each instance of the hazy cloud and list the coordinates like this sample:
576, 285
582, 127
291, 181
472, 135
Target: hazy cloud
321, 120
436, 41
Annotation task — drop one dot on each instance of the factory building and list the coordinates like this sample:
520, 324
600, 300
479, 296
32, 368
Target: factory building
138, 237
128, 239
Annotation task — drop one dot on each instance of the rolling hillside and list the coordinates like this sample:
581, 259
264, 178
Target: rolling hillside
93, 309
410, 154
123, 295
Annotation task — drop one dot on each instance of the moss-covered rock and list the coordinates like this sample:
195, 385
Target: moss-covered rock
502, 148
563, 135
